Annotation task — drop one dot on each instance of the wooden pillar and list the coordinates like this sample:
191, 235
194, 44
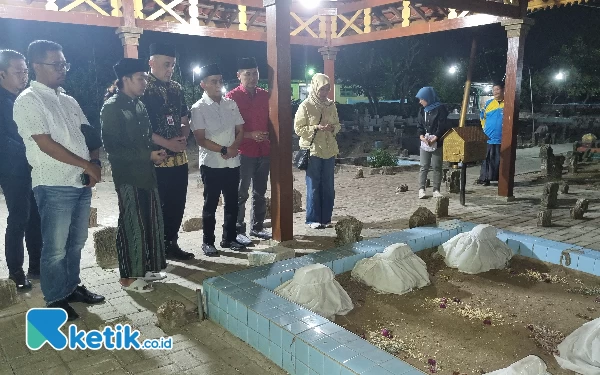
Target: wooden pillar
130, 37
329, 54
280, 117
516, 30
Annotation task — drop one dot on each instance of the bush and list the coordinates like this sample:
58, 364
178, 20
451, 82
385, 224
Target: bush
382, 158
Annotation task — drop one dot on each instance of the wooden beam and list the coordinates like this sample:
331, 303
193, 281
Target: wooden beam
420, 12
516, 31
248, 3
77, 18
280, 117
477, 6
359, 5
382, 18
419, 28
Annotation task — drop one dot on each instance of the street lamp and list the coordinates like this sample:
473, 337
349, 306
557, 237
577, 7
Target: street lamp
560, 76
453, 69
311, 72
310, 4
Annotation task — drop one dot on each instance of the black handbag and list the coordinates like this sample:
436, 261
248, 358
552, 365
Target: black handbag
303, 155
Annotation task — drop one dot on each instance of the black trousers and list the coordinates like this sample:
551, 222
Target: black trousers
172, 190
490, 168
23, 221
217, 181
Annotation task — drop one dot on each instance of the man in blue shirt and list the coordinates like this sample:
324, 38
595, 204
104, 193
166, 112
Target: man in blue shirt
15, 177
491, 117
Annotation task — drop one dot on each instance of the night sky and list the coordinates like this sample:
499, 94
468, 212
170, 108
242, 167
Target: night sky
86, 43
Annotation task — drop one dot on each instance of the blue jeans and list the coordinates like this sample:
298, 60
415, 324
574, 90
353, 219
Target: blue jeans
320, 192
65, 213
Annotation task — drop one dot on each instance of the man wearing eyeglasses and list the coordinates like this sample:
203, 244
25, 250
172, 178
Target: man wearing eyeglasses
63, 172
15, 177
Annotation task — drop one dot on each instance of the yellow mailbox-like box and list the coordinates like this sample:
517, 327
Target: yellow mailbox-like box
466, 144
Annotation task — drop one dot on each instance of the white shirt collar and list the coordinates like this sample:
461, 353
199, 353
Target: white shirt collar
206, 99
40, 86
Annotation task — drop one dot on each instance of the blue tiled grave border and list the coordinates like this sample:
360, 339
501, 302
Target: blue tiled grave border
304, 343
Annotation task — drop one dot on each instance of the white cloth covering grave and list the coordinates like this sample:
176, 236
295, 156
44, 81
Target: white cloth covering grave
476, 251
530, 365
315, 288
397, 270
580, 351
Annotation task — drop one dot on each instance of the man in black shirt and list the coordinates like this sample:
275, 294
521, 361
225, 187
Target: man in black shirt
169, 116
15, 177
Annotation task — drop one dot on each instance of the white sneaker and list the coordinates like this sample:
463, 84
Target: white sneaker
315, 226
437, 194
422, 193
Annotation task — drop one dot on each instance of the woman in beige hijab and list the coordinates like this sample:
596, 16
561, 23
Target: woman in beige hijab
317, 117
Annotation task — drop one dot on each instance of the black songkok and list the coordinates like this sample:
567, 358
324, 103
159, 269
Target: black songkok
209, 70
127, 67
162, 49
247, 63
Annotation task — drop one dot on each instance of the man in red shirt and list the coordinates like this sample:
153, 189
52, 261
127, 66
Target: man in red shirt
253, 103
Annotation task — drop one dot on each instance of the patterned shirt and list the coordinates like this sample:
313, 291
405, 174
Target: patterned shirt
491, 120
166, 106
42, 110
255, 111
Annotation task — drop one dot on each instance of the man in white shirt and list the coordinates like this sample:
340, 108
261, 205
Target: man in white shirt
218, 128
64, 171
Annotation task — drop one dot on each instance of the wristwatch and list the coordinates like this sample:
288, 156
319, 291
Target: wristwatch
224, 150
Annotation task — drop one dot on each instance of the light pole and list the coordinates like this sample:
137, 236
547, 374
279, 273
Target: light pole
195, 70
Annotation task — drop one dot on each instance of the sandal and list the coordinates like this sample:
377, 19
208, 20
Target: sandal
138, 286
154, 276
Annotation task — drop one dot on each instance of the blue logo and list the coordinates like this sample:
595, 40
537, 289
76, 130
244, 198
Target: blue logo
43, 326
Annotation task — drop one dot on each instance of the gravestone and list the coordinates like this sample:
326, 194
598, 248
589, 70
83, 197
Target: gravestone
421, 217
577, 213
550, 195
297, 202
564, 188
192, 225
270, 255
441, 206
348, 231
544, 218
93, 217
8, 293
402, 189
105, 247
573, 163
359, 173
173, 314
388, 171
582, 204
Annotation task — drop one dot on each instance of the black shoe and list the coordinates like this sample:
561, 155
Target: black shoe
262, 234
23, 284
63, 304
33, 273
233, 245
210, 250
81, 294
243, 240
486, 183
174, 252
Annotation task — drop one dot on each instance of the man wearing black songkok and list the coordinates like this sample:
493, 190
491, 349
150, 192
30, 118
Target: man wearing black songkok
169, 116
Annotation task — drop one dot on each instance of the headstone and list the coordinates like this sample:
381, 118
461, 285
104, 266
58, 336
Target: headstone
192, 225
550, 195
544, 218
564, 188
583, 204
270, 255
546, 151
375, 171
405, 153
454, 183
573, 163
577, 213
8, 293
551, 165
348, 231
441, 206
402, 189
93, 217
388, 171
421, 217
173, 314
105, 247
359, 173
297, 202
445, 175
